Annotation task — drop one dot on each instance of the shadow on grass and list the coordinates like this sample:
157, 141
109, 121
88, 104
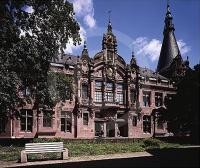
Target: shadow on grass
174, 157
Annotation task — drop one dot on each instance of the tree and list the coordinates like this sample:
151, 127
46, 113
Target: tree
29, 41
183, 109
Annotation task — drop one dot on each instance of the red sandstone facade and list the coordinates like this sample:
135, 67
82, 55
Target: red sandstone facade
110, 97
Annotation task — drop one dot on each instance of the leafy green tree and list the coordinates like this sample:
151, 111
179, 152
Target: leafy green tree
183, 109
29, 41
60, 87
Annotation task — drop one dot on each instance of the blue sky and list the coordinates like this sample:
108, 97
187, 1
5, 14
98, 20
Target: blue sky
138, 25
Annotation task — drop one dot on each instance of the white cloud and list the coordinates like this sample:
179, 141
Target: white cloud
89, 20
183, 47
84, 9
151, 47
70, 47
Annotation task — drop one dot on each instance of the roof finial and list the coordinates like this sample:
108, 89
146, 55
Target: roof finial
109, 22
109, 15
167, 2
133, 55
168, 9
85, 45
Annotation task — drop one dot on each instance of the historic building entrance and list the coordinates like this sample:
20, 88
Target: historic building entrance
122, 129
110, 129
99, 129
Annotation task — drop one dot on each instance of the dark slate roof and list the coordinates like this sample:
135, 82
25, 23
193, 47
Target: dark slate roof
168, 52
145, 72
169, 49
68, 59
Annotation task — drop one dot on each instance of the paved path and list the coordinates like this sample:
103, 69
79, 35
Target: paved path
80, 159
187, 156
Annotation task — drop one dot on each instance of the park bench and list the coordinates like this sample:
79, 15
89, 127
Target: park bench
43, 148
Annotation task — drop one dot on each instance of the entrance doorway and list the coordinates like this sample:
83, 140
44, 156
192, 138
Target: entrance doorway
123, 129
99, 129
110, 129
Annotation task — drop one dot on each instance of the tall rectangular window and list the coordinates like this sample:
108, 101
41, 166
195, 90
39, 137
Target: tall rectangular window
2, 124
158, 99
98, 96
134, 121
120, 98
47, 118
147, 124
26, 120
109, 93
85, 118
109, 96
132, 96
84, 91
146, 98
66, 121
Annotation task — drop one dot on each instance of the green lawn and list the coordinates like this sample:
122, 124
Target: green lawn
84, 147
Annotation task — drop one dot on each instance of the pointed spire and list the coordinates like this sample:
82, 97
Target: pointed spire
168, 19
85, 45
169, 49
85, 50
109, 22
133, 60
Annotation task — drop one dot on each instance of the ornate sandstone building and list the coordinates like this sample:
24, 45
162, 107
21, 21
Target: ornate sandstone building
111, 98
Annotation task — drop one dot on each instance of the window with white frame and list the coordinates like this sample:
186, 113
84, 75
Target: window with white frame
66, 121
120, 97
26, 119
98, 96
109, 96
98, 91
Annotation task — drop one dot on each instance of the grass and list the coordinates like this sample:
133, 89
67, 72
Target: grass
84, 148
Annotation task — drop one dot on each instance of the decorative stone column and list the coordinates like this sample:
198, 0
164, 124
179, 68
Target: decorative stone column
152, 98
104, 129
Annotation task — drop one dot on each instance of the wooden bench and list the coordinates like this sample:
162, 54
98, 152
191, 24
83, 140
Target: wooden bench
43, 148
